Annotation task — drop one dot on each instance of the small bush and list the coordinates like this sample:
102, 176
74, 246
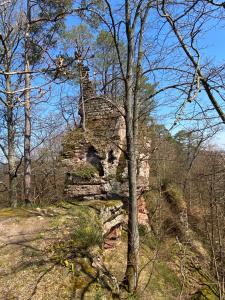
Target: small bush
89, 231
88, 236
172, 228
143, 230
71, 139
174, 197
86, 171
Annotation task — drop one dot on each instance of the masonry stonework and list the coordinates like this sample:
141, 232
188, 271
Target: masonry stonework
94, 159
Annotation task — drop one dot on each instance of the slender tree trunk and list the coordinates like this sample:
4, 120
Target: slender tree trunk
133, 234
12, 192
27, 141
27, 129
83, 117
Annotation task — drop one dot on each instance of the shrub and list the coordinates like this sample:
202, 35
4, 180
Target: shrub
174, 197
143, 229
87, 236
71, 139
86, 171
89, 230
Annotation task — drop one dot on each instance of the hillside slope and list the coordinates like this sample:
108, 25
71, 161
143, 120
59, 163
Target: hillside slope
58, 253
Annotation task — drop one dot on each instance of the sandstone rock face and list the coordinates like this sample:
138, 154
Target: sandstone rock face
113, 218
142, 211
94, 160
85, 191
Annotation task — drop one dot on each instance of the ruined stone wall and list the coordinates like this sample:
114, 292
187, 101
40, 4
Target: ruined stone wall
95, 163
106, 123
98, 108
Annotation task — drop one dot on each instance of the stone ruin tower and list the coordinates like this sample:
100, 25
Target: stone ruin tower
94, 160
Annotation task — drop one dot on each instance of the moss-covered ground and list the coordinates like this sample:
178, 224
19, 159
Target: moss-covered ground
51, 253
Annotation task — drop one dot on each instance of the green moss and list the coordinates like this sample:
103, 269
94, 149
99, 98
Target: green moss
72, 139
150, 240
164, 282
64, 204
174, 197
208, 291
88, 233
86, 171
205, 293
98, 204
143, 230
15, 212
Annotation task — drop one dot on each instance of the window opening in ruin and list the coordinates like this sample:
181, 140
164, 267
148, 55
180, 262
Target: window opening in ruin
94, 159
111, 157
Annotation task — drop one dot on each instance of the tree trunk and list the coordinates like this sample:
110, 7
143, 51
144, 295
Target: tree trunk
133, 234
12, 191
81, 102
27, 139
27, 128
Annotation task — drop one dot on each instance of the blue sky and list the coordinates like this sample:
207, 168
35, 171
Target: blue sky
215, 49
213, 46
215, 42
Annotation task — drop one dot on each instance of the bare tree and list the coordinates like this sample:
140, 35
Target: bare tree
26, 50
196, 14
27, 112
134, 16
10, 38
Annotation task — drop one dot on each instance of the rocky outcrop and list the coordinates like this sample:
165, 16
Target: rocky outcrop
94, 159
113, 218
143, 215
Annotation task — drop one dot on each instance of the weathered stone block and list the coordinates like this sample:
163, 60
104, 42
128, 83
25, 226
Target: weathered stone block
79, 191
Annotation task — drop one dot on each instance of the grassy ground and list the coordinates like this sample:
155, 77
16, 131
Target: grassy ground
55, 253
